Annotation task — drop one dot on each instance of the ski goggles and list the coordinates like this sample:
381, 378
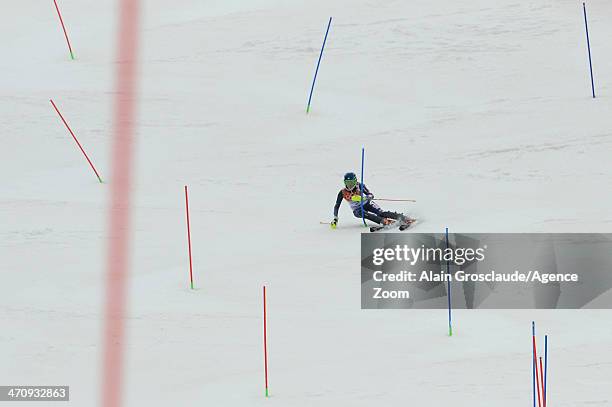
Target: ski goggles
350, 183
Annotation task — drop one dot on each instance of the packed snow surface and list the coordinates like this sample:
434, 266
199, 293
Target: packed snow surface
479, 110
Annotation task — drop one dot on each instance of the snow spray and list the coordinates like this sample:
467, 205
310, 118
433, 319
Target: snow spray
318, 63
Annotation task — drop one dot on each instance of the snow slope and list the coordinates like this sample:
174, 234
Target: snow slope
480, 110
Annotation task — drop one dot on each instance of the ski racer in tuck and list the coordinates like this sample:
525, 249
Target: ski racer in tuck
352, 194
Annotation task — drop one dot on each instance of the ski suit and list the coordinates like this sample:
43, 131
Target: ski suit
371, 210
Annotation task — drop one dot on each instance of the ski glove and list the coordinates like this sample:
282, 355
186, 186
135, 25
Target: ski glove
334, 222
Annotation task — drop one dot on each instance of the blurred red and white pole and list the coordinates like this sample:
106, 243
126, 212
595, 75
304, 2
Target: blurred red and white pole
119, 206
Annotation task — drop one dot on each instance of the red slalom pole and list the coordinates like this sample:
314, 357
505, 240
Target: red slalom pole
189, 237
265, 326
535, 360
542, 378
77, 141
64, 28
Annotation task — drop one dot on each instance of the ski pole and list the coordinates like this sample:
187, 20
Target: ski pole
394, 200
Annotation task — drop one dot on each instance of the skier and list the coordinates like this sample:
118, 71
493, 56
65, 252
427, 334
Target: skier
371, 211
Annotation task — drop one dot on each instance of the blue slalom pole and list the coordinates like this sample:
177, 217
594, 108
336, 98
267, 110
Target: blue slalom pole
533, 364
361, 189
450, 325
318, 63
586, 26
545, 364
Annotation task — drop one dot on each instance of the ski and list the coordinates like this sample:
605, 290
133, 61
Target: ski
403, 225
408, 224
381, 227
